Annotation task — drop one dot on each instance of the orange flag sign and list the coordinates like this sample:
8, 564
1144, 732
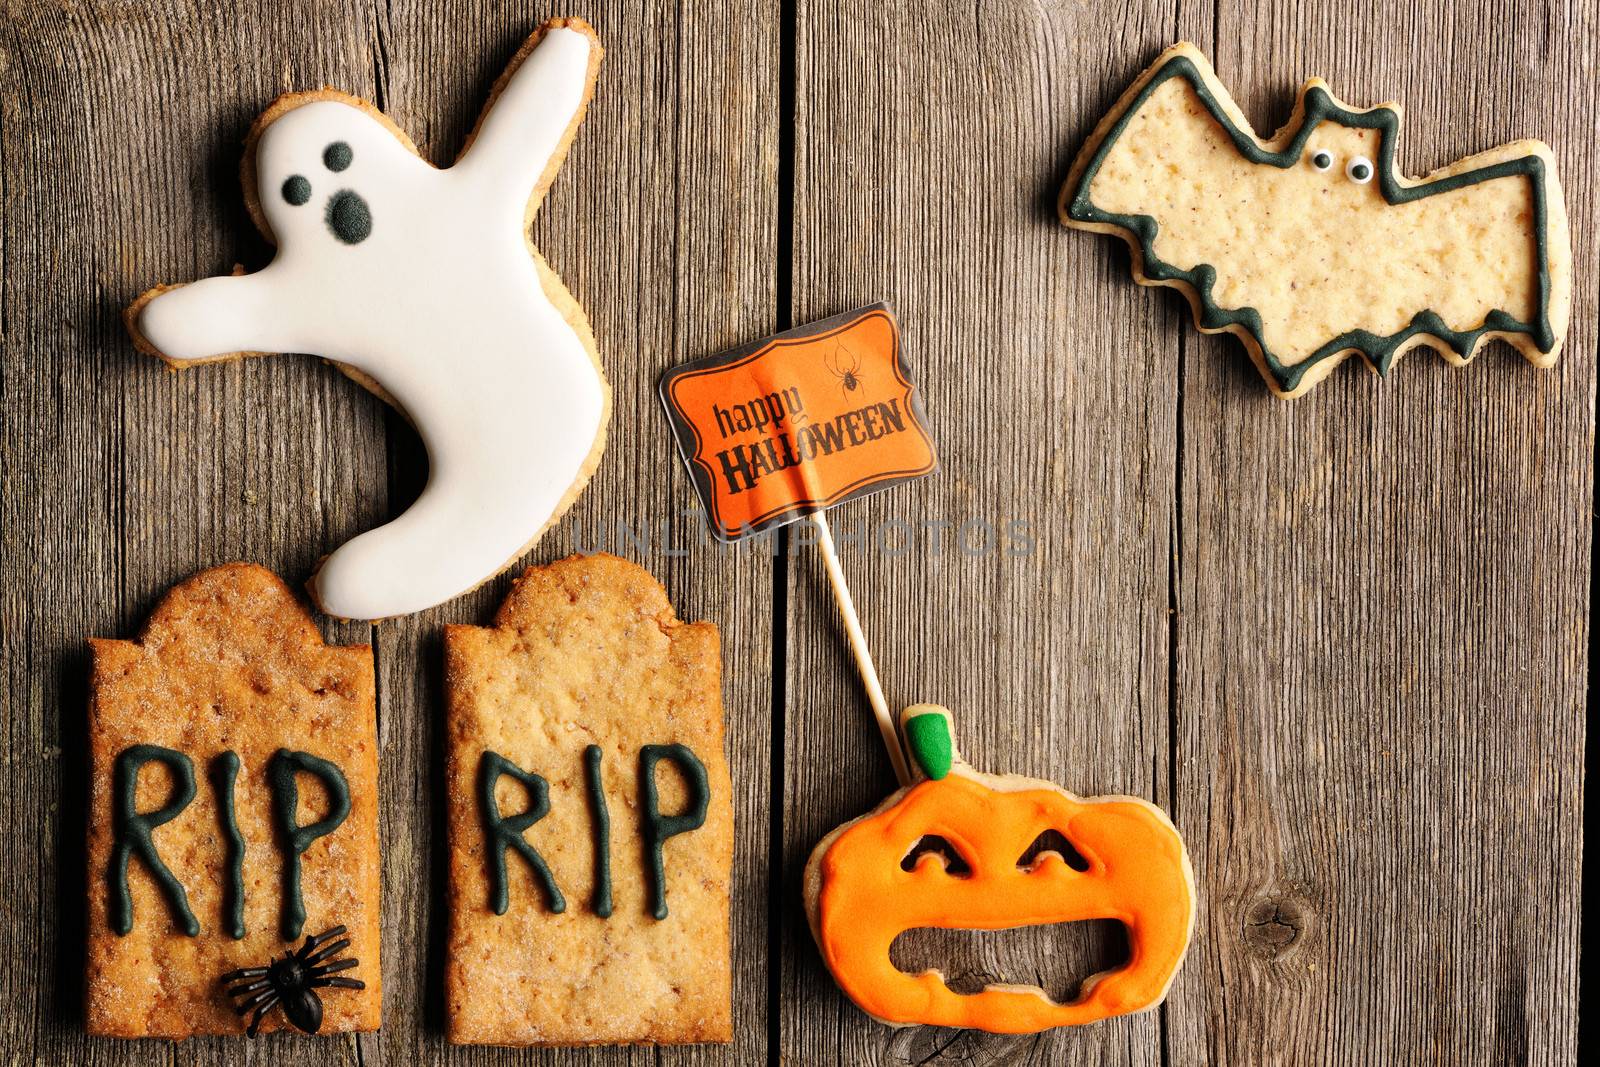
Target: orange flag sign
798, 422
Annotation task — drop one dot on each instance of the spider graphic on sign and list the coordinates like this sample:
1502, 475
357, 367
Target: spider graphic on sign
844, 365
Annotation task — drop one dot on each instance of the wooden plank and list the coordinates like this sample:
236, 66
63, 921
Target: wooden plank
667, 187
1417, 547
1384, 601
930, 145
121, 151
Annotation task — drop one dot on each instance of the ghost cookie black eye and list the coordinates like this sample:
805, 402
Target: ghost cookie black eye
349, 217
1359, 170
296, 190
1321, 160
337, 156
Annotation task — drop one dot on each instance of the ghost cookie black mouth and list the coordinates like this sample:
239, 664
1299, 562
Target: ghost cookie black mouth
349, 218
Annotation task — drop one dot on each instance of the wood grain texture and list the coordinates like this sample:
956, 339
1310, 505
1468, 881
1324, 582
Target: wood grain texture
122, 478
1384, 614
668, 182
1378, 656
929, 147
1343, 640
121, 144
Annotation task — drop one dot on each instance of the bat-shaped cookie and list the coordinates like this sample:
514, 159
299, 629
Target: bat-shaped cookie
1309, 246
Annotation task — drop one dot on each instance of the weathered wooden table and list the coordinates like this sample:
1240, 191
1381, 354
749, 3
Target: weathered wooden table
1343, 640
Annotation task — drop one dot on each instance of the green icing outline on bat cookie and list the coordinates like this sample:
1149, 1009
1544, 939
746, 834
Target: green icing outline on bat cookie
1318, 106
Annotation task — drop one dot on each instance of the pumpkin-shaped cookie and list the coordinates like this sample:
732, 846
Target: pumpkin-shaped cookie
859, 896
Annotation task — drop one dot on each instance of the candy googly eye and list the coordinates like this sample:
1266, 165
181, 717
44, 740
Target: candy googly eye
337, 156
1322, 160
1359, 170
296, 190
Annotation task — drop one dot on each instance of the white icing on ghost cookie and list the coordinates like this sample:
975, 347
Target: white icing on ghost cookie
421, 283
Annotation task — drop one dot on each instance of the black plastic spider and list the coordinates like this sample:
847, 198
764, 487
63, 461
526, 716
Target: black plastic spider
293, 982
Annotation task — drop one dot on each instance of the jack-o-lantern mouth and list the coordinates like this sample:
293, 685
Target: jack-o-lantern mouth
1062, 961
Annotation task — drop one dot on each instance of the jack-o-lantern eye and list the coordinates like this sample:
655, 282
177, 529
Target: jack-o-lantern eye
934, 845
1053, 841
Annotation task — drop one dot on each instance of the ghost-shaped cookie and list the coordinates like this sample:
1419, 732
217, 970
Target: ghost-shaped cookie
421, 284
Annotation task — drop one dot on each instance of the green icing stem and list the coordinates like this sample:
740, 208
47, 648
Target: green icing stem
225, 768
928, 737
281, 773
132, 833
1319, 106
601, 815
505, 831
658, 827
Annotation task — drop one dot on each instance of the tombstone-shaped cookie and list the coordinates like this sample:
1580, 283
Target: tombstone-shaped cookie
233, 820
590, 817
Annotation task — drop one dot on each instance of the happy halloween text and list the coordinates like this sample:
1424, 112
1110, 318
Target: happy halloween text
743, 465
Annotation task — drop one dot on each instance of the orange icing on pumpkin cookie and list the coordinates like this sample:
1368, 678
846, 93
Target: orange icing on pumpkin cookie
860, 898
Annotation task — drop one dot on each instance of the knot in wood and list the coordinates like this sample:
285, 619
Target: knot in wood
1274, 924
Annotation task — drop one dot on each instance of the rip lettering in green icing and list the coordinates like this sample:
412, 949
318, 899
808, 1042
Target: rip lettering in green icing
658, 828
281, 772
132, 829
601, 815
505, 831
225, 770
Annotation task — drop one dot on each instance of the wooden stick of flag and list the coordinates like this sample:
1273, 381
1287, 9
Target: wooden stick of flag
858, 646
